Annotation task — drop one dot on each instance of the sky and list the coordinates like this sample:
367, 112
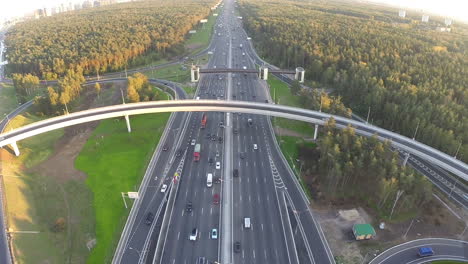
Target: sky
457, 9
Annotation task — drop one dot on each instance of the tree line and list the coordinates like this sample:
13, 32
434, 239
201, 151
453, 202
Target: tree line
101, 39
408, 74
345, 159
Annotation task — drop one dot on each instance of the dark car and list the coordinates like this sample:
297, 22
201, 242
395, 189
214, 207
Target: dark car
210, 160
208, 135
165, 147
202, 260
188, 207
149, 218
235, 131
242, 155
235, 173
213, 138
178, 153
220, 139
237, 247
266, 100
217, 180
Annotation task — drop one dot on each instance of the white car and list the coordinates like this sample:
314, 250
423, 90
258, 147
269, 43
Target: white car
255, 146
193, 236
218, 165
214, 234
193, 142
164, 188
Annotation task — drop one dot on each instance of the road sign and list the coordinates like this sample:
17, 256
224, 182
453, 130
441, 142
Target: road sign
133, 195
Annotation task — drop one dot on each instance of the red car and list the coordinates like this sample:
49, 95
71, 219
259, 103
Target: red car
216, 198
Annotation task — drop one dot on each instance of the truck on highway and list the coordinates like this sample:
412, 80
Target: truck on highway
203, 121
196, 152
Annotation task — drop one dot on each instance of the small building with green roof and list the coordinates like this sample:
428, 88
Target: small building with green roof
363, 231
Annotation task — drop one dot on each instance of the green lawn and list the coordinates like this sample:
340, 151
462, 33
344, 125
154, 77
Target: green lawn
282, 95
175, 73
201, 39
7, 99
115, 162
35, 201
290, 148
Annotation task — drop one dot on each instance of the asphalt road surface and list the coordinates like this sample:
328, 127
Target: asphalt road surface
444, 249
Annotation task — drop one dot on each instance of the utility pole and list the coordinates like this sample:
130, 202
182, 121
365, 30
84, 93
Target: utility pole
416, 131
320, 109
399, 193
368, 114
407, 230
456, 152
121, 93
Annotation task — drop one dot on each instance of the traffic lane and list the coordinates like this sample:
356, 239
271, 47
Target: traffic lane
442, 250
455, 195
266, 184
268, 207
199, 181
316, 243
151, 200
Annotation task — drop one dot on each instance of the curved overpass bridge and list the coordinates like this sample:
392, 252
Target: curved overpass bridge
411, 146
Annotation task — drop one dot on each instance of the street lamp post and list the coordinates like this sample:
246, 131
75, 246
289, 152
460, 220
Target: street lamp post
416, 131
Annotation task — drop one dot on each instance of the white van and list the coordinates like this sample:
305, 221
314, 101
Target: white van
246, 222
209, 180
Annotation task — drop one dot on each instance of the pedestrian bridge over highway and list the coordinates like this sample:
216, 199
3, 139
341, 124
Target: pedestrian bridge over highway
408, 145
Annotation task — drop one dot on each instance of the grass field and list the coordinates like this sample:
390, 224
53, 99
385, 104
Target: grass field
282, 95
290, 148
34, 202
201, 39
175, 73
7, 99
115, 161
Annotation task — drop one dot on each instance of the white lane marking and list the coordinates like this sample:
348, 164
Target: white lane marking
211, 210
253, 251
178, 235
183, 212
262, 227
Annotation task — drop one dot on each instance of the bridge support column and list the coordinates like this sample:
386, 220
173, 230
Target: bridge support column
316, 132
15, 148
263, 73
127, 120
406, 159
300, 72
194, 74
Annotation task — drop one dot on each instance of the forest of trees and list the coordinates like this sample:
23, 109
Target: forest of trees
406, 71
70, 46
101, 39
345, 159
